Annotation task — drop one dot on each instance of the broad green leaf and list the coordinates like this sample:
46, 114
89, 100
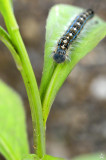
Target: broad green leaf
13, 137
95, 156
55, 74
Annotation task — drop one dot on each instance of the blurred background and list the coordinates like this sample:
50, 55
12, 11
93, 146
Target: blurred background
77, 121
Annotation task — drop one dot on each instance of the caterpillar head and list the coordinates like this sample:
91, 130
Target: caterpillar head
59, 56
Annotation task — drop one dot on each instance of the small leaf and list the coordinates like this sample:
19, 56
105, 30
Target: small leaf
13, 137
5, 38
55, 74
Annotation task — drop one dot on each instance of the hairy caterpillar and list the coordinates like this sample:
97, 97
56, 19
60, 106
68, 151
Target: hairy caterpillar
60, 54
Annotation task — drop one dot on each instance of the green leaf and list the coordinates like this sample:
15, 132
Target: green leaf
55, 74
5, 38
95, 156
13, 137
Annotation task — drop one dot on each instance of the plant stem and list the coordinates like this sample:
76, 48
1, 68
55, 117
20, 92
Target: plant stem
28, 77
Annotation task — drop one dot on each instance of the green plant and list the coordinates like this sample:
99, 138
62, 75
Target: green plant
52, 79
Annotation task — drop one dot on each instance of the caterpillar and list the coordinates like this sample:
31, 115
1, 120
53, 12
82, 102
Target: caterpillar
60, 54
